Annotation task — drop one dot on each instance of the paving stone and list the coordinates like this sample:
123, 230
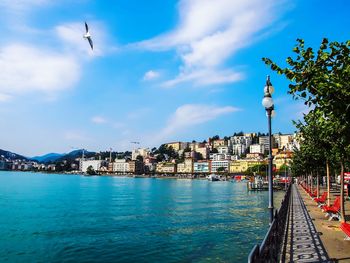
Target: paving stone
303, 242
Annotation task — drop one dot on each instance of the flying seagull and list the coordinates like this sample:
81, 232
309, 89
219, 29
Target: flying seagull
88, 36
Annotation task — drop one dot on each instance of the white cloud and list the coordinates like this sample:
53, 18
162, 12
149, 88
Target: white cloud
151, 75
205, 77
209, 32
26, 68
4, 97
76, 136
48, 69
21, 5
98, 120
191, 115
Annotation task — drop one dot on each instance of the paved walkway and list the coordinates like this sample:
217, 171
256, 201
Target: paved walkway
303, 242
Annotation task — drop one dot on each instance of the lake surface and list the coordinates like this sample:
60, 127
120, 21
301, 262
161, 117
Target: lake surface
72, 218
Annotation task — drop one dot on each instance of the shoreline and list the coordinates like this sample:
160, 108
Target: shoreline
179, 176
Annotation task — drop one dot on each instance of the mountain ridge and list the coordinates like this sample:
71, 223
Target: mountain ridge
11, 155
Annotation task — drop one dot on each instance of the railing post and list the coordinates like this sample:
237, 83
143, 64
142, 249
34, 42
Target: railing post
254, 255
271, 245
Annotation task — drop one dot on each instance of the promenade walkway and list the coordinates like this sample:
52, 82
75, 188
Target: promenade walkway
330, 233
303, 243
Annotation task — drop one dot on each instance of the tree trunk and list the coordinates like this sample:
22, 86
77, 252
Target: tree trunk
342, 208
311, 183
318, 184
328, 184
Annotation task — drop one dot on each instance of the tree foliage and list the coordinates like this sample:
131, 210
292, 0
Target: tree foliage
90, 170
321, 78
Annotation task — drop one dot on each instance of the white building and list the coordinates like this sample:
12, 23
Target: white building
264, 141
221, 157
215, 165
121, 166
257, 148
246, 140
224, 149
240, 144
144, 152
238, 149
296, 141
95, 164
286, 142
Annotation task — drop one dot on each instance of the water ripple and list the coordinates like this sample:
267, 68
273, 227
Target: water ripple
59, 218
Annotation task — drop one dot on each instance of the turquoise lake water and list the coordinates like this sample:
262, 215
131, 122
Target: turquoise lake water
72, 218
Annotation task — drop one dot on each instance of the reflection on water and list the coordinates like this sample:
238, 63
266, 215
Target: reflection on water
55, 218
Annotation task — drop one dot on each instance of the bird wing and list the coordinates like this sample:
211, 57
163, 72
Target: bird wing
90, 42
86, 27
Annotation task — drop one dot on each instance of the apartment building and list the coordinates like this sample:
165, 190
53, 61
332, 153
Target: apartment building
204, 151
121, 166
144, 152
264, 141
202, 167
177, 146
218, 143
136, 167
257, 148
95, 164
165, 167
241, 166
215, 165
186, 166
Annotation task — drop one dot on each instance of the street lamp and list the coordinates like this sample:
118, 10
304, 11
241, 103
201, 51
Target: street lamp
267, 102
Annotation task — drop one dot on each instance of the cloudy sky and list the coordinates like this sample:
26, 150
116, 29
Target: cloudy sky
161, 70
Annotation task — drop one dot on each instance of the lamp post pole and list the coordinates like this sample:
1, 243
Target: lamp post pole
269, 107
270, 167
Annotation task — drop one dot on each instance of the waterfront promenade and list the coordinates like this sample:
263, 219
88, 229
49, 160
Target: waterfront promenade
308, 236
303, 241
329, 232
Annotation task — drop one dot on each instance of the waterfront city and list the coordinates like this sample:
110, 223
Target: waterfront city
182, 131
237, 154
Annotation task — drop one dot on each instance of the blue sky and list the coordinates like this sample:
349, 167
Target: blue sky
160, 71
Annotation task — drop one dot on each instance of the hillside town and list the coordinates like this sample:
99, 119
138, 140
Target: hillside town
235, 154
240, 153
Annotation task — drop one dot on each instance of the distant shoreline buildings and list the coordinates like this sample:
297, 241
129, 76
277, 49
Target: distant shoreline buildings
234, 154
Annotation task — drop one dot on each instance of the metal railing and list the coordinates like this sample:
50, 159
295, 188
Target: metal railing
270, 248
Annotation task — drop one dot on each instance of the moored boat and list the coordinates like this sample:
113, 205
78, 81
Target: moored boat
213, 177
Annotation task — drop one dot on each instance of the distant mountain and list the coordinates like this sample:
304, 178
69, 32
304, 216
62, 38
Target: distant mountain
11, 155
75, 154
59, 157
50, 157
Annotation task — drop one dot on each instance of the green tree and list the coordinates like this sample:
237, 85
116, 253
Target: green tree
139, 158
220, 169
214, 150
90, 170
322, 80
216, 137
257, 169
